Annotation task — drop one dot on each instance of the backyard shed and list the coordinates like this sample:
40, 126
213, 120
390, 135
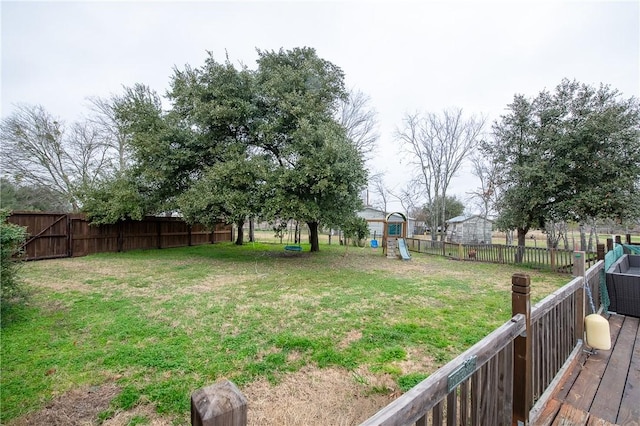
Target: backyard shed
469, 230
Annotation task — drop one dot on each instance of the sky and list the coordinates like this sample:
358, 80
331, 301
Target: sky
407, 56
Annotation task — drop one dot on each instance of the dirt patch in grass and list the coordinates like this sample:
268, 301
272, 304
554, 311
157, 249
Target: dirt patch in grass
76, 407
81, 407
352, 336
417, 362
313, 396
145, 414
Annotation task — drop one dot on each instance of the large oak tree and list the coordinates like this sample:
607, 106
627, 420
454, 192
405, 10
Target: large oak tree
568, 155
238, 143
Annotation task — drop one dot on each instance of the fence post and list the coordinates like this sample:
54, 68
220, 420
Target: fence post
579, 263
553, 259
69, 238
221, 404
609, 244
579, 268
159, 233
522, 351
628, 238
600, 251
618, 239
120, 238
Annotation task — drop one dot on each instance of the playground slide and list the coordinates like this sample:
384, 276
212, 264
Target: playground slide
404, 252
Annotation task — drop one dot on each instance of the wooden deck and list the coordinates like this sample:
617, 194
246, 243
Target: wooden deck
601, 388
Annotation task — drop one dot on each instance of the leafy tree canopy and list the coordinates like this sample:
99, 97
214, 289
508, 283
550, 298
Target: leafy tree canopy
238, 143
571, 154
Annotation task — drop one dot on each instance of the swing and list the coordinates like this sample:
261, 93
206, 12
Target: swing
597, 334
291, 247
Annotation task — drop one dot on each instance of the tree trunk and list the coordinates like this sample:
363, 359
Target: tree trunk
240, 237
444, 215
313, 236
252, 229
508, 235
583, 237
522, 238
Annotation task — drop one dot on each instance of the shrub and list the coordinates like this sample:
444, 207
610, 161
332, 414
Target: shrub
11, 239
356, 228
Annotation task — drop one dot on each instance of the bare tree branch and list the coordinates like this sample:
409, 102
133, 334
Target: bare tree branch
487, 193
408, 196
110, 129
360, 122
437, 145
379, 188
37, 150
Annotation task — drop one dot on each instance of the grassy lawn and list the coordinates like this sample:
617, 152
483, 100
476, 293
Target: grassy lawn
159, 324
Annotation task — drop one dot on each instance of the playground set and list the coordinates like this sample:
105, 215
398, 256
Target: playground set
393, 238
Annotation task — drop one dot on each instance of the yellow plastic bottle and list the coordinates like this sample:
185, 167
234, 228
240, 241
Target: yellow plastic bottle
597, 332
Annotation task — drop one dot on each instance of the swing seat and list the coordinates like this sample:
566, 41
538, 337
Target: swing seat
293, 248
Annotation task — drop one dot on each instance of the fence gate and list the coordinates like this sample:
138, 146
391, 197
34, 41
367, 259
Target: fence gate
49, 234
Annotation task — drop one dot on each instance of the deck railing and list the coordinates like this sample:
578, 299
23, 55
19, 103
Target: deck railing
499, 379
557, 260
452, 394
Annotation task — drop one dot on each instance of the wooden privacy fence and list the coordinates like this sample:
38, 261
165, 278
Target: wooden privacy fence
54, 235
556, 260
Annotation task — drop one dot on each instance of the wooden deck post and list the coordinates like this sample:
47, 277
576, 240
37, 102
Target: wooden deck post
600, 251
579, 270
618, 239
522, 351
609, 244
579, 263
221, 404
628, 239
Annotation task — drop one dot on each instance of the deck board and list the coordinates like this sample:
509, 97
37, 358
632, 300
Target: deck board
584, 389
630, 406
602, 389
595, 421
570, 415
607, 400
